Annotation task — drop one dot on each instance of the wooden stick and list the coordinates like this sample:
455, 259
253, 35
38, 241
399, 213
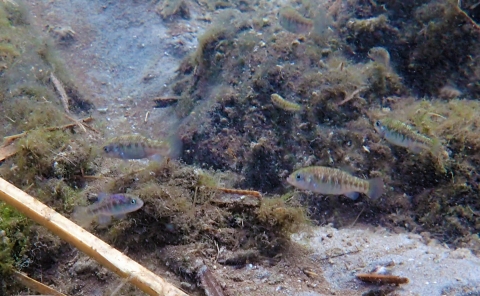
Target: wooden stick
239, 191
86, 242
35, 285
7, 151
382, 278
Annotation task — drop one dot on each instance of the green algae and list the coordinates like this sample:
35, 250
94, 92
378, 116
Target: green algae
14, 244
48, 161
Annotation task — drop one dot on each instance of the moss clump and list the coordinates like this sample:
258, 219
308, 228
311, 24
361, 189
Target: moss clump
31, 112
43, 155
14, 239
35, 156
8, 52
170, 8
58, 195
455, 122
285, 218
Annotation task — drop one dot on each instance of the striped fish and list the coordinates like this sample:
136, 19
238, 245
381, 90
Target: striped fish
107, 205
327, 180
403, 135
138, 147
293, 21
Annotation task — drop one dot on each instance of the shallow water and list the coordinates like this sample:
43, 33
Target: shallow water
222, 61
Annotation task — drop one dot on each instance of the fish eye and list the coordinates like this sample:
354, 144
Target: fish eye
378, 123
105, 148
133, 201
298, 176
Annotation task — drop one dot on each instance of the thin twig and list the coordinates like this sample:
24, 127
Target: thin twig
8, 140
61, 90
77, 122
342, 254
35, 285
64, 99
7, 151
358, 216
352, 95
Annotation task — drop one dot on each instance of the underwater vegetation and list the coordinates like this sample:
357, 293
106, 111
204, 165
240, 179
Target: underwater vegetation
48, 154
264, 94
376, 61
181, 203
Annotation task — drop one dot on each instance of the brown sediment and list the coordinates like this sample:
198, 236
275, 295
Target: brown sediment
382, 279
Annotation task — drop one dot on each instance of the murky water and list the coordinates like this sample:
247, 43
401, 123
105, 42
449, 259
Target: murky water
251, 91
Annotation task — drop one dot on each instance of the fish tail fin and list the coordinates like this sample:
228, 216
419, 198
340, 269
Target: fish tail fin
352, 195
375, 189
82, 216
156, 157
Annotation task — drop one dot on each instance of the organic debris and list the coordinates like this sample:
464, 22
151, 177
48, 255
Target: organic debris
208, 282
239, 191
163, 102
382, 279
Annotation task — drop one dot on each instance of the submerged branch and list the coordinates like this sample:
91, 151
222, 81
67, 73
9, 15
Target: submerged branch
35, 285
103, 253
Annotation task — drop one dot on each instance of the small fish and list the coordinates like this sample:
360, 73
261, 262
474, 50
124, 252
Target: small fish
138, 147
293, 21
380, 55
327, 180
106, 206
403, 135
281, 103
